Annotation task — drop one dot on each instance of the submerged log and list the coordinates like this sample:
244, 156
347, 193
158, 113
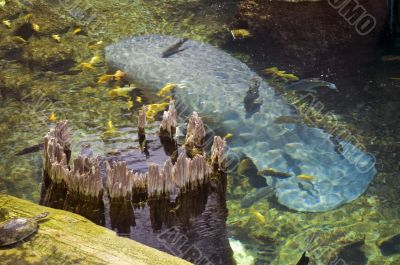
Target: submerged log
68, 238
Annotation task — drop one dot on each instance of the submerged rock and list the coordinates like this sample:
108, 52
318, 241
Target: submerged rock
216, 84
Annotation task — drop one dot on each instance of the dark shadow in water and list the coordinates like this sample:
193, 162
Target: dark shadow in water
351, 255
390, 246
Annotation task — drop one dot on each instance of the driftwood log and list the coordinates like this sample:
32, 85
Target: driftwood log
177, 206
68, 238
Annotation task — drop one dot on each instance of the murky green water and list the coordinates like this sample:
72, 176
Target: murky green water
33, 86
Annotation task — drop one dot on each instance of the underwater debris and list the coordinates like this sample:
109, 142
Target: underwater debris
309, 85
276, 73
240, 33
174, 48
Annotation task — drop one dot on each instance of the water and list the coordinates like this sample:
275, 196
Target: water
34, 85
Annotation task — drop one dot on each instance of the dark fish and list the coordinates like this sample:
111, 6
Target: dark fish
252, 102
174, 48
304, 260
254, 196
274, 173
309, 85
31, 149
288, 120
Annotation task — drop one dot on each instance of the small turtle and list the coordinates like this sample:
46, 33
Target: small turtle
18, 229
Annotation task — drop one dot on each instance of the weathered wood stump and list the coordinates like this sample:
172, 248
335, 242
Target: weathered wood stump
186, 193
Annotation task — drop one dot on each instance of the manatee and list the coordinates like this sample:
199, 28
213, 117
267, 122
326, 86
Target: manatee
216, 85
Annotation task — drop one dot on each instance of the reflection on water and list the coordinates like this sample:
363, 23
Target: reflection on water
34, 84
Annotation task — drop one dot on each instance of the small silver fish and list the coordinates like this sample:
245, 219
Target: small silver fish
309, 85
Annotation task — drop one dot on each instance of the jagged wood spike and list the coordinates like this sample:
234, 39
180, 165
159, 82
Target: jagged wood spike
142, 120
218, 155
155, 183
169, 120
195, 132
119, 180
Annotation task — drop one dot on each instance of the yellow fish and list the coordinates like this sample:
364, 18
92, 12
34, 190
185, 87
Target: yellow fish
95, 60
105, 79
76, 31
121, 91
240, 33
96, 44
6, 23
260, 218
19, 39
87, 66
119, 75
35, 27
110, 127
139, 99
166, 90
53, 117
27, 17
276, 73
228, 136
56, 37
306, 177
153, 109
130, 104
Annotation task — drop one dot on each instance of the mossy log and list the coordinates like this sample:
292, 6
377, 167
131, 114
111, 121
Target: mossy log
67, 238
